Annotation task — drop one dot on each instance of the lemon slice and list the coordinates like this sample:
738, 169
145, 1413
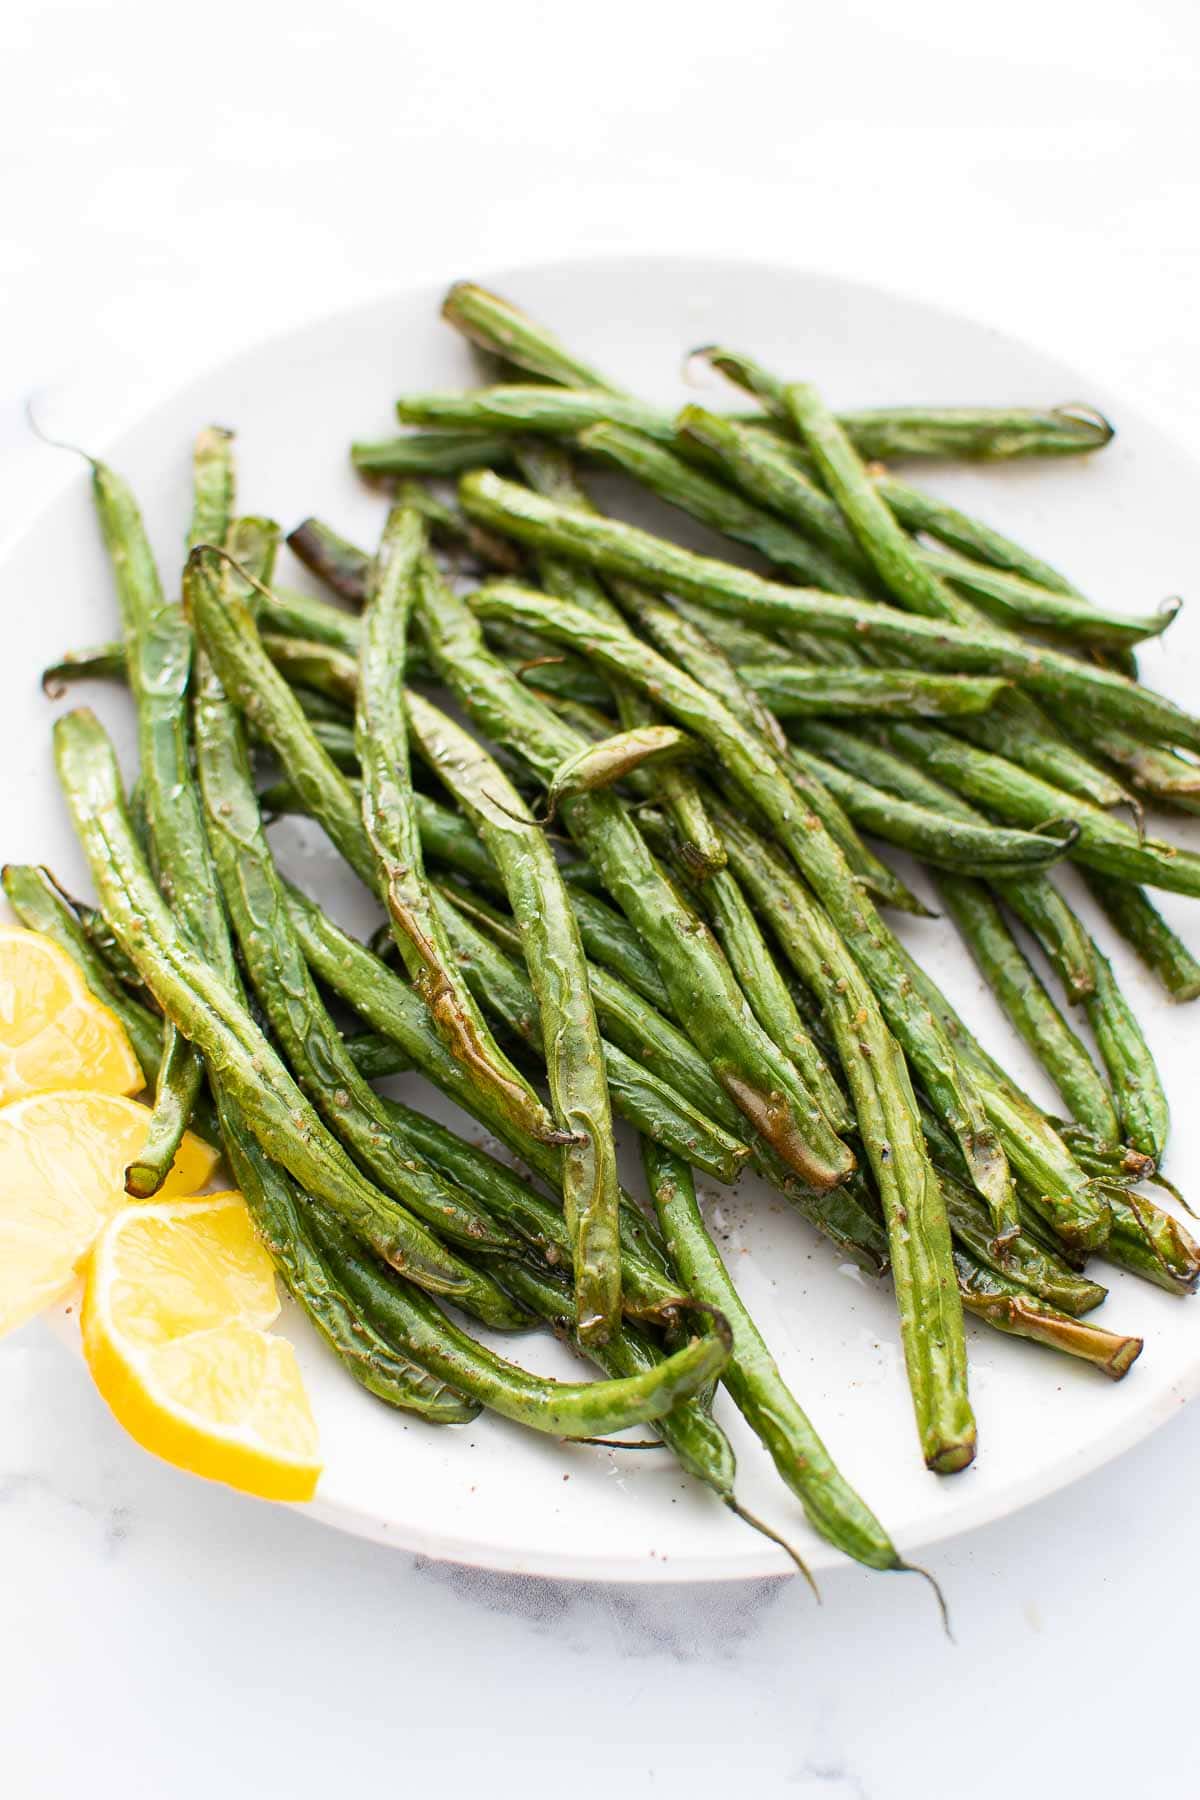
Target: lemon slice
62, 1174
54, 1033
175, 1311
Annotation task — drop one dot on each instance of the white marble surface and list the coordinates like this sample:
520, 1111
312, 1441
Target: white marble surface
177, 183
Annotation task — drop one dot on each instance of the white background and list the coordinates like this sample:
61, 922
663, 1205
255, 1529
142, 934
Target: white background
176, 182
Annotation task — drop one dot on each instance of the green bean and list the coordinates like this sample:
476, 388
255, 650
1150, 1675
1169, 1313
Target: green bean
213, 486
1057, 1188
918, 511
286, 612
701, 985
1028, 1005
1139, 922
982, 433
1137, 1087
1004, 1305
311, 1278
1022, 604
1103, 843
767, 471
275, 964
308, 664
198, 1000
918, 1233
99, 662
795, 692
720, 507
626, 550
887, 547
987, 434
558, 979
381, 737
753, 1378
1150, 1243
760, 778
614, 759
531, 409
1018, 728
548, 470
687, 645
430, 453
448, 838
158, 652
340, 564
497, 326
646, 1099
946, 843
414, 1324
885, 433
750, 958
1162, 775
450, 527
1038, 904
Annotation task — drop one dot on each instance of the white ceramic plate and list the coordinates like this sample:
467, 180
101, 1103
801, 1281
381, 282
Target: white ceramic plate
1122, 524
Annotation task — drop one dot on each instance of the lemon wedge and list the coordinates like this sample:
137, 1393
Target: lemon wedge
62, 1174
54, 1033
175, 1310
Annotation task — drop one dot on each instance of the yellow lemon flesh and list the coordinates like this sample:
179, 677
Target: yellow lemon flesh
62, 1175
54, 1033
178, 1298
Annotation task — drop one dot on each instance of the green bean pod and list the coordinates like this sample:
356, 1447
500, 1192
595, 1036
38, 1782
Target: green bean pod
219, 1027
498, 326
718, 506
1006, 1306
381, 738
413, 1324
1027, 1004
340, 564
1104, 843
281, 1223
763, 1085
626, 550
750, 765
639, 1091
889, 1124
946, 843
275, 964
558, 978
795, 692
753, 1378
1143, 927
1137, 1086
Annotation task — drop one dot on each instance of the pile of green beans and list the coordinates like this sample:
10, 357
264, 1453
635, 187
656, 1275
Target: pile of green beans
648, 881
